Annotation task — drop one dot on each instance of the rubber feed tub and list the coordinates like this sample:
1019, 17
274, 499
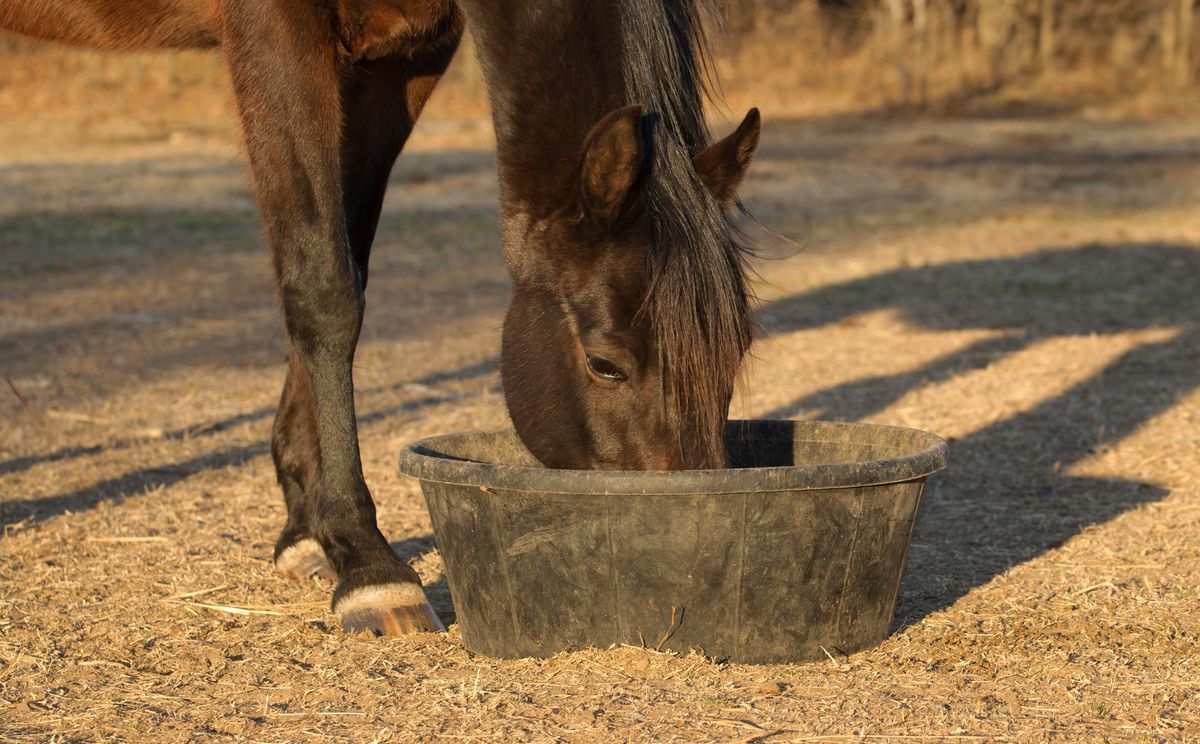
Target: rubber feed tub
794, 551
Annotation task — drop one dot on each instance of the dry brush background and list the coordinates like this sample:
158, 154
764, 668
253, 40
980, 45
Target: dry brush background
995, 206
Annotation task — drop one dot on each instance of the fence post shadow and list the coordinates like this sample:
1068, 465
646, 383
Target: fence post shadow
133, 482
1008, 496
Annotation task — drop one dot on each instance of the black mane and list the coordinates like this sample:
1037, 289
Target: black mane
698, 302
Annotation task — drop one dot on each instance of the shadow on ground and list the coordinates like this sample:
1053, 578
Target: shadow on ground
1007, 496
30, 511
174, 289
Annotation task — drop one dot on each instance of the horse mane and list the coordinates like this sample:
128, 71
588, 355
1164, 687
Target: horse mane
697, 303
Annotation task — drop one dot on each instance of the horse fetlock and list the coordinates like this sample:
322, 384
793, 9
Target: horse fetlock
303, 560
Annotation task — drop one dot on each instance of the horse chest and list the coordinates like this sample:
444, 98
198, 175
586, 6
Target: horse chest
377, 28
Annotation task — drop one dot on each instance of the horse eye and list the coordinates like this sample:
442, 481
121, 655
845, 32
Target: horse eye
606, 369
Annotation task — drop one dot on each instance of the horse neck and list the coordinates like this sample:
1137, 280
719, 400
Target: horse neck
552, 69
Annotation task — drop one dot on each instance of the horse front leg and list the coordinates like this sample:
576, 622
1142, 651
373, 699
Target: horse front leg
286, 64
381, 100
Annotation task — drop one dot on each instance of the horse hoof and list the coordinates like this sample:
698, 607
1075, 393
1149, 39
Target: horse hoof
387, 609
303, 560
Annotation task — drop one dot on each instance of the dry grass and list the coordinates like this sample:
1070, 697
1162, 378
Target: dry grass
1025, 287
806, 58
975, 56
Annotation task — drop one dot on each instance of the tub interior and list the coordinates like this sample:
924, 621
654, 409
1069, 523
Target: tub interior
751, 444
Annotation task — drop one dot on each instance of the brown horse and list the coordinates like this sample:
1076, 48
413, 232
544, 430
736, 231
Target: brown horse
629, 317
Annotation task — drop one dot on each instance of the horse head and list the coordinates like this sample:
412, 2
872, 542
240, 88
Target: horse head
630, 315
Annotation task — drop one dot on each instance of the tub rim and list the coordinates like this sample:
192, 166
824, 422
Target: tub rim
921, 454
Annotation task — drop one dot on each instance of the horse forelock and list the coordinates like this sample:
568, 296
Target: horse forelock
697, 301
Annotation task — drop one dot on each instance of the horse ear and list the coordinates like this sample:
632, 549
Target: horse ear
613, 160
722, 164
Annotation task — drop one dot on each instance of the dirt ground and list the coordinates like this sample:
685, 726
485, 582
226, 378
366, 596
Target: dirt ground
1026, 287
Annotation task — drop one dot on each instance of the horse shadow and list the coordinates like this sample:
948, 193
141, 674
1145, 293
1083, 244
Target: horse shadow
1007, 496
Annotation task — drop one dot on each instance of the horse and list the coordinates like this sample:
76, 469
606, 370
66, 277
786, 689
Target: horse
630, 311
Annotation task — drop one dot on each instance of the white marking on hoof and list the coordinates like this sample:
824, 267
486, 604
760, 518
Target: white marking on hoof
388, 609
304, 560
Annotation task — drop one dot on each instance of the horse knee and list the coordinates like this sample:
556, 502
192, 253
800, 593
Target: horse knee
323, 314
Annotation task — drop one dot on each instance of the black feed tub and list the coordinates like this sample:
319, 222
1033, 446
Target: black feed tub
795, 551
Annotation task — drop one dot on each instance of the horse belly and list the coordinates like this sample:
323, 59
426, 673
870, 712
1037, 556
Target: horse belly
114, 24
377, 28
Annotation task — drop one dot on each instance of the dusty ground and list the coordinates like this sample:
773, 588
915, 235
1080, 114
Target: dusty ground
1025, 287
